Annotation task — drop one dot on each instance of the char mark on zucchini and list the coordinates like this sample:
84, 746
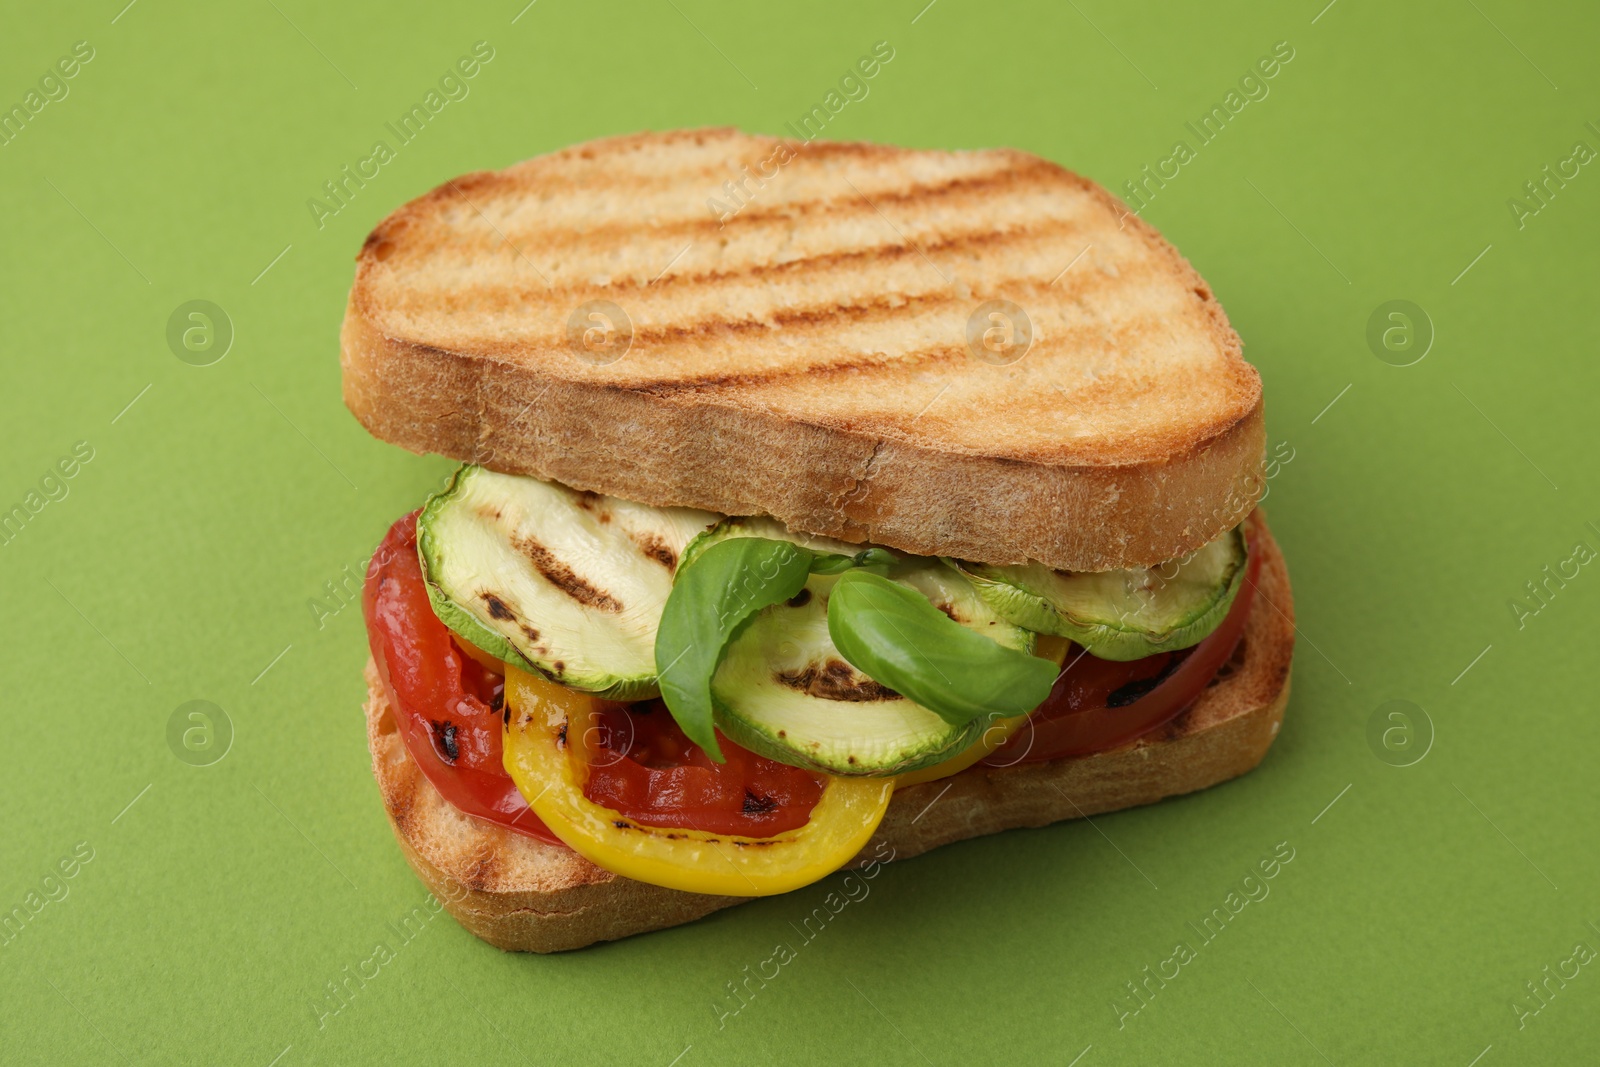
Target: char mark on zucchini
836, 680
656, 549
564, 578
497, 607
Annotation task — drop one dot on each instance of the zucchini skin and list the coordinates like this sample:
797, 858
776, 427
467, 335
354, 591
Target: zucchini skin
1121, 640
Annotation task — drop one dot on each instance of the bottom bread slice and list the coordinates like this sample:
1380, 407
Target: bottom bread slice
520, 894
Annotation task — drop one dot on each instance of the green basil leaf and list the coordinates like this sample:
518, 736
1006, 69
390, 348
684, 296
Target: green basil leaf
875, 558
835, 563
719, 591
831, 563
893, 634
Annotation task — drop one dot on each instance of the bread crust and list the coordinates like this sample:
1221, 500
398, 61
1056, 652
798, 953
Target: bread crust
519, 894
845, 442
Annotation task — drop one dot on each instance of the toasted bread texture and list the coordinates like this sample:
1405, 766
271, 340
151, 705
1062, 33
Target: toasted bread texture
809, 330
517, 893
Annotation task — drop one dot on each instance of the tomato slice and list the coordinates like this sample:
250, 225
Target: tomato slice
642, 765
1097, 704
447, 705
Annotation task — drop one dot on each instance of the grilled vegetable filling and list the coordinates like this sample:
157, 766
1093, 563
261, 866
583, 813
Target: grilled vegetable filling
856, 661
719, 705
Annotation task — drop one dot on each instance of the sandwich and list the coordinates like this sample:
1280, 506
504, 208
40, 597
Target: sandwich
819, 504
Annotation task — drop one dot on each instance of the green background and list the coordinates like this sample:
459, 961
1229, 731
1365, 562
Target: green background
180, 565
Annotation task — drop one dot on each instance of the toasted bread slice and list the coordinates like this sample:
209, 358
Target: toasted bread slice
517, 893
809, 344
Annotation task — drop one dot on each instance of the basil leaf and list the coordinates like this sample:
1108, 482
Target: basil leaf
831, 563
835, 563
719, 591
897, 637
877, 559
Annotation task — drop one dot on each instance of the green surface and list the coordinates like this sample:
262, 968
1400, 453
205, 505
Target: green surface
182, 562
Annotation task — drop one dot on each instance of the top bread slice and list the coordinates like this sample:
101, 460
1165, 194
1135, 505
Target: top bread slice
785, 330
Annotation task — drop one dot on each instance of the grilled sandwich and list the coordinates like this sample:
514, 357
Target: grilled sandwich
821, 504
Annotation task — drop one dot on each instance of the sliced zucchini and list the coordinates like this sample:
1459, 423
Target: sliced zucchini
834, 555
783, 689
1121, 615
571, 584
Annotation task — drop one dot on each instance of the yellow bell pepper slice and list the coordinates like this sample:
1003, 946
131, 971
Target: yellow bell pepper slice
544, 756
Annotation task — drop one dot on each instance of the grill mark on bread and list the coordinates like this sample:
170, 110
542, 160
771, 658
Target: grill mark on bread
848, 204
779, 374
755, 228
811, 318
756, 148
836, 680
564, 578
893, 365
886, 376
889, 366
556, 169
831, 322
1059, 236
